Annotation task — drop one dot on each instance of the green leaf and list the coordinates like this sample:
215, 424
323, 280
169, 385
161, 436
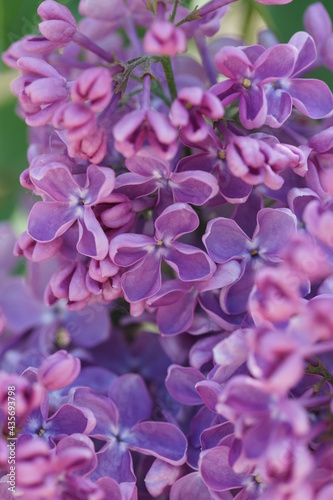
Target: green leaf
288, 19
19, 18
13, 160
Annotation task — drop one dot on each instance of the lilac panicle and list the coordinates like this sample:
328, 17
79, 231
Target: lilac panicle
181, 253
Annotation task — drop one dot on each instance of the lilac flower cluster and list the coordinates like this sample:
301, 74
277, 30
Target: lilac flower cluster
173, 335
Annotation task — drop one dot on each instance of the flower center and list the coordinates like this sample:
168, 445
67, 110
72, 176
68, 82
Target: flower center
246, 83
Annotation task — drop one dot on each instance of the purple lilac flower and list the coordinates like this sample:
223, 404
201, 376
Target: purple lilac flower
145, 254
122, 424
40, 89
71, 202
224, 241
165, 39
149, 173
248, 70
188, 109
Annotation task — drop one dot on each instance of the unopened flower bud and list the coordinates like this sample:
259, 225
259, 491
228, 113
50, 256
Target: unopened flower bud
58, 23
58, 370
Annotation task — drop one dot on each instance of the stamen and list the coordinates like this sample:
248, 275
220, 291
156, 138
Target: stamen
246, 83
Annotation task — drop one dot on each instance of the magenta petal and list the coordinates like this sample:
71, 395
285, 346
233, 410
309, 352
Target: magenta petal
318, 23
176, 220
274, 230
279, 107
148, 164
233, 63
307, 52
181, 382
47, 220
277, 62
216, 471
227, 91
14, 292
128, 249
47, 90
190, 263
159, 439
225, 240
136, 186
161, 476
79, 441
128, 125
311, 97
234, 299
90, 326
194, 187
209, 392
116, 462
253, 108
56, 181
212, 436
189, 487
100, 181
67, 420
164, 131
131, 396
105, 411
92, 239
178, 316
144, 280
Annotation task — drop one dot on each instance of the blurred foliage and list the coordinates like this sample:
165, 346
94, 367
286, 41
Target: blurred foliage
13, 161
19, 18
285, 20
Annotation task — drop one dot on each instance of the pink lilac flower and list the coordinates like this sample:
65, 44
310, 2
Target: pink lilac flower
165, 39
188, 109
40, 89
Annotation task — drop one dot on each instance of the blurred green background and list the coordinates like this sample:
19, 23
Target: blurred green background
19, 18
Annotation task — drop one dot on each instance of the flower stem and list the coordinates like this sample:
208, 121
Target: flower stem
86, 43
145, 103
167, 67
174, 11
206, 58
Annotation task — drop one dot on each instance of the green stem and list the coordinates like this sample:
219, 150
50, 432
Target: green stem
174, 11
247, 20
166, 63
320, 370
192, 16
